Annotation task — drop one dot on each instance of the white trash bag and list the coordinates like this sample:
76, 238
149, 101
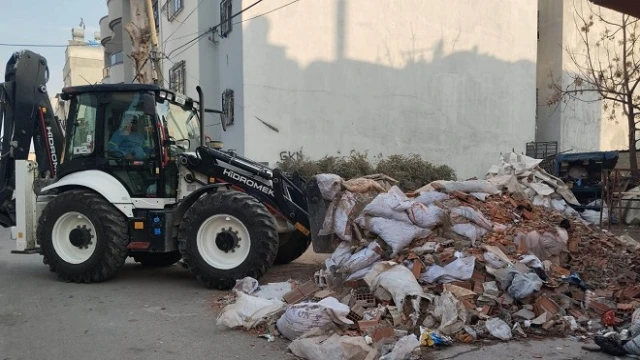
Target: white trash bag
248, 311
300, 318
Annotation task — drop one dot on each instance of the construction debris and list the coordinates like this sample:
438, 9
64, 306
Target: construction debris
467, 261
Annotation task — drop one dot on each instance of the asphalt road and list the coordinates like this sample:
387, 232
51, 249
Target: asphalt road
161, 314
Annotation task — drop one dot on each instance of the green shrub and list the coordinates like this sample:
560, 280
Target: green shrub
411, 170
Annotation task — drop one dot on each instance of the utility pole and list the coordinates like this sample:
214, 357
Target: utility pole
140, 30
155, 54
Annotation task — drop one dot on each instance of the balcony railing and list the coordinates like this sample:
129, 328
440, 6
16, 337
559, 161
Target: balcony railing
115, 58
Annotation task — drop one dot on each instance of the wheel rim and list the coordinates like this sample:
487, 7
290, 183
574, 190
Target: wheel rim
223, 241
74, 238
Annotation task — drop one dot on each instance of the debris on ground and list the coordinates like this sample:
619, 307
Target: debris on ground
497, 259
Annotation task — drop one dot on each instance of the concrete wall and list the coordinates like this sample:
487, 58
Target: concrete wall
454, 83
578, 125
83, 65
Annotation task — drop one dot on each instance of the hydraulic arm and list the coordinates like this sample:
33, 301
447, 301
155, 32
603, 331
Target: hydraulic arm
27, 117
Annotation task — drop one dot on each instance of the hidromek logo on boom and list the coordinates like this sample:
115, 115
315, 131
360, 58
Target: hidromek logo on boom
52, 149
265, 189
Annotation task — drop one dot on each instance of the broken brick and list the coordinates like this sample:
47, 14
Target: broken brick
528, 215
578, 296
363, 325
625, 307
462, 284
599, 308
417, 269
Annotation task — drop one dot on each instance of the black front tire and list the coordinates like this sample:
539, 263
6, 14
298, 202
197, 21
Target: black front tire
263, 237
111, 236
157, 259
292, 246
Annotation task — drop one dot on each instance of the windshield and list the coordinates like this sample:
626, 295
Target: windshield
181, 125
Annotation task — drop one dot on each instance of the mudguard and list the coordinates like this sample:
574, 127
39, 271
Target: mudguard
102, 183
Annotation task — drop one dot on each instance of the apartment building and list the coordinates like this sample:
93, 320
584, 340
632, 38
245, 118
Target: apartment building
118, 68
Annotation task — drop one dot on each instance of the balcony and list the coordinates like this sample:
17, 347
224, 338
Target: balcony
105, 31
115, 12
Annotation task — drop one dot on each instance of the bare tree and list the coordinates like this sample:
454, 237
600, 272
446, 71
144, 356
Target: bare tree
606, 65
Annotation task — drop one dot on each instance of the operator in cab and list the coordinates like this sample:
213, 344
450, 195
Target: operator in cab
129, 143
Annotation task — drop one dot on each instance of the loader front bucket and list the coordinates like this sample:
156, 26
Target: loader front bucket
317, 209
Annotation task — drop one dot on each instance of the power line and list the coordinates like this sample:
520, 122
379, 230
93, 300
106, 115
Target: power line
195, 40
182, 22
268, 12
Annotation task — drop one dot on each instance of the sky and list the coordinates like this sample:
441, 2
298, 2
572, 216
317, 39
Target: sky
38, 22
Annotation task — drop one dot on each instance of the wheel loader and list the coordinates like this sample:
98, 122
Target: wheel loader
129, 173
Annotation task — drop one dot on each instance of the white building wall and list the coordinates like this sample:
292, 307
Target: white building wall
577, 125
454, 83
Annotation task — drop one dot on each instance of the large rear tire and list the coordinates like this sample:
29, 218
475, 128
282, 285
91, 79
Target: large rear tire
83, 237
292, 246
157, 259
227, 236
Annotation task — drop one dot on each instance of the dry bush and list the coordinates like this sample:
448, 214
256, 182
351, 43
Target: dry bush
411, 171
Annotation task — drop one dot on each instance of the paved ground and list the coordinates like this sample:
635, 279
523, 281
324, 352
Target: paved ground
161, 314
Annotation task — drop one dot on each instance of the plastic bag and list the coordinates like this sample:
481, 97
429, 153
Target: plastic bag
247, 285
391, 205
329, 185
593, 217
425, 216
531, 261
430, 197
473, 215
248, 311
524, 285
499, 329
459, 270
396, 234
451, 313
300, 318
470, 231
558, 205
362, 259
336, 220
403, 347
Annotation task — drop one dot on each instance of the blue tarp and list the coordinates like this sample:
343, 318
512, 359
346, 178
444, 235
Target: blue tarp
607, 156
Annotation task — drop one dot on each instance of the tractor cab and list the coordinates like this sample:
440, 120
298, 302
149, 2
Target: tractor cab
133, 132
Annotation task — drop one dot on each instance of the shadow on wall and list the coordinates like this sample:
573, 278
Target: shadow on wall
461, 109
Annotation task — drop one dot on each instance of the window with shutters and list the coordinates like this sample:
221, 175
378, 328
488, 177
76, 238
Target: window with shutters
177, 76
225, 17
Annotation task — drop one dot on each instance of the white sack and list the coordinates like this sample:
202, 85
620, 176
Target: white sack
402, 348
430, 197
335, 347
390, 205
473, 215
300, 318
336, 220
341, 254
396, 234
362, 259
248, 311
459, 270
470, 231
425, 216
468, 186
451, 313
396, 279
329, 185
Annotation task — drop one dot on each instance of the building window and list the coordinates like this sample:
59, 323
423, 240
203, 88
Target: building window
227, 107
225, 17
171, 8
156, 16
177, 76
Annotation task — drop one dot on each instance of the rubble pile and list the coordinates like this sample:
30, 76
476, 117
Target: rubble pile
500, 258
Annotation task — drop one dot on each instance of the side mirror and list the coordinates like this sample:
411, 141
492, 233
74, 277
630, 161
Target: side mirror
183, 144
148, 104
